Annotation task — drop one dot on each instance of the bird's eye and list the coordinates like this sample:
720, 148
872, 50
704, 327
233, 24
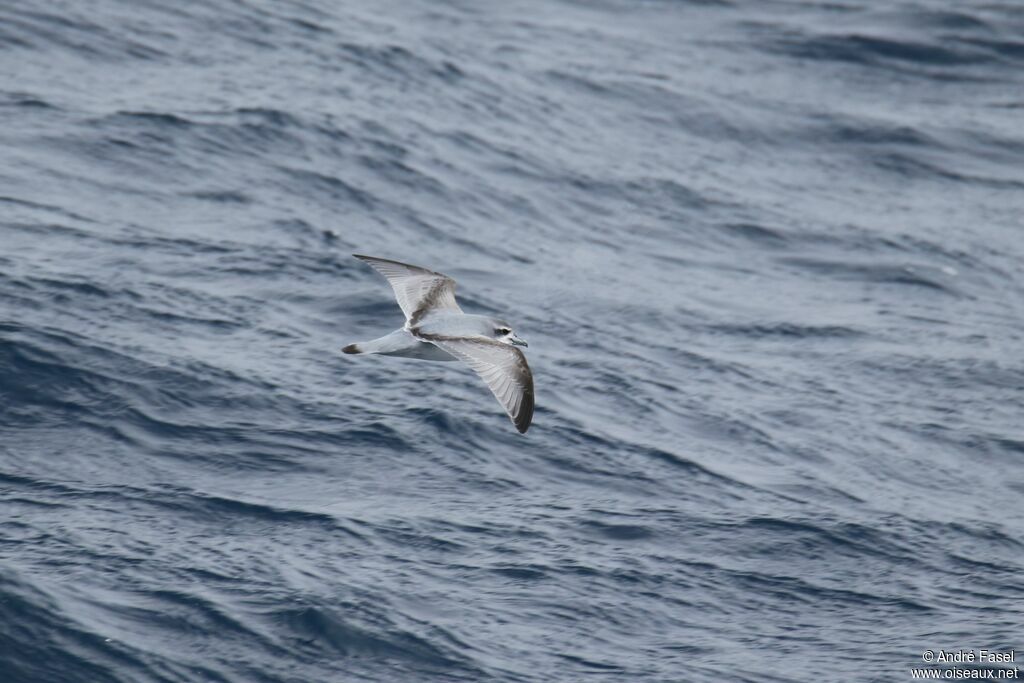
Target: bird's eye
503, 330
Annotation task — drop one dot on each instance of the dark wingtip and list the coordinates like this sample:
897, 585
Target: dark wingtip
351, 348
525, 417
524, 421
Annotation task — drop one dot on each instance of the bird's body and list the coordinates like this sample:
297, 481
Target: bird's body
436, 329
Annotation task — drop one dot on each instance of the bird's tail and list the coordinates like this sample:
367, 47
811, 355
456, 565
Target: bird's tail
397, 340
400, 343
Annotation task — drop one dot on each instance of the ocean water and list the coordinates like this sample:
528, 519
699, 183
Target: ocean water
768, 257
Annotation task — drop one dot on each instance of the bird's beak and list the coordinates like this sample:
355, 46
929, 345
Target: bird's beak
516, 341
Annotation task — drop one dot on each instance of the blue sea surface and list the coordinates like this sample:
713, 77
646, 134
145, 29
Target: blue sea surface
769, 258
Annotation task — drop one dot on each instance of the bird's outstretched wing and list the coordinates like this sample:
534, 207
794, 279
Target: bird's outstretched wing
418, 290
502, 366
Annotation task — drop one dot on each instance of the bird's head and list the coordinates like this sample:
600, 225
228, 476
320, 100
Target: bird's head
503, 332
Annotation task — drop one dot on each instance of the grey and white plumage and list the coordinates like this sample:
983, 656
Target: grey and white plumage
437, 329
